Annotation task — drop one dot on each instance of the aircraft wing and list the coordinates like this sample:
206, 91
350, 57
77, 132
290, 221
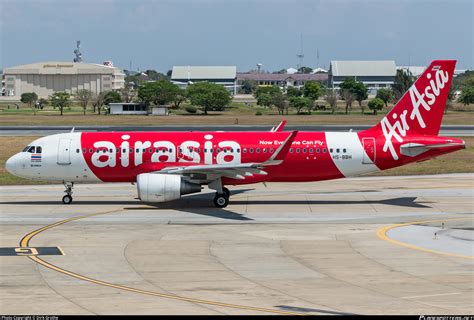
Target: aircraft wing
234, 171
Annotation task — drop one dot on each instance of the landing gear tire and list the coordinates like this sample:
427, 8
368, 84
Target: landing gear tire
67, 199
221, 200
226, 192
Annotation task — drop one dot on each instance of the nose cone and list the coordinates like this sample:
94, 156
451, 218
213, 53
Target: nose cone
13, 164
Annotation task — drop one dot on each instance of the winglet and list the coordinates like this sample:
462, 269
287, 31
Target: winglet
280, 126
281, 152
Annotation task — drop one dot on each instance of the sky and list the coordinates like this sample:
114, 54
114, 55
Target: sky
157, 34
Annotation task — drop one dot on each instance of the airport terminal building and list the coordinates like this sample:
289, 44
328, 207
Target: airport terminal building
374, 74
45, 78
223, 75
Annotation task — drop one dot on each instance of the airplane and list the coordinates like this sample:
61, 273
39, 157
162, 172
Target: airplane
167, 165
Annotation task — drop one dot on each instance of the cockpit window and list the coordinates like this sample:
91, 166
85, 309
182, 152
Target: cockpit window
32, 149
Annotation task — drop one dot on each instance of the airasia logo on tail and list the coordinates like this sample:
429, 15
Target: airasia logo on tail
421, 104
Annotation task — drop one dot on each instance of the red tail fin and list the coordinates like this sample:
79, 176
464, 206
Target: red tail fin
421, 108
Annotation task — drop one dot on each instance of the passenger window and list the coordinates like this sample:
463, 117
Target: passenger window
198, 150
84, 150
136, 150
238, 150
297, 150
91, 151
130, 150
257, 150
144, 150
337, 150
311, 150
117, 150
111, 150
324, 150
317, 150
212, 150
304, 150
104, 150
344, 150
77, 150
291, 150
97, 150
218, 150
251, 150
330, 150
271, 150
245, 150
225, 150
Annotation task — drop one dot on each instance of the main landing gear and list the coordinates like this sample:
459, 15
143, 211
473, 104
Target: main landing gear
221, 200
67, 199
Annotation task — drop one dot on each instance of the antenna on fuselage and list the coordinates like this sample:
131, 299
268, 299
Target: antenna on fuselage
72, 130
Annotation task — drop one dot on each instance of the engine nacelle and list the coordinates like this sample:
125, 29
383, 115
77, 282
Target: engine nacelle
154, 187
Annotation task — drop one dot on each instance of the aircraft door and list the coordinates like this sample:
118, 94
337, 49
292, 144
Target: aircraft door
369, 150
64, 155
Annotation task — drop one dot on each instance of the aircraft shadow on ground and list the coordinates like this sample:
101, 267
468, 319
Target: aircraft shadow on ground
201, 204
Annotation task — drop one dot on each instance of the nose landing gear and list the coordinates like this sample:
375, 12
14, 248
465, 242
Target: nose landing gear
67, 199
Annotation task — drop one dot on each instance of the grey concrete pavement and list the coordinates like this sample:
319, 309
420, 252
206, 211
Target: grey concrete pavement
304, 247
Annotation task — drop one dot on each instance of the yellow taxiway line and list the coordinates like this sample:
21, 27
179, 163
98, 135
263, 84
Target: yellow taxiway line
382, 234
24, 242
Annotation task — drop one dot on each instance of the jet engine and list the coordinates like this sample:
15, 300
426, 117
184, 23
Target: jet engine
155, 187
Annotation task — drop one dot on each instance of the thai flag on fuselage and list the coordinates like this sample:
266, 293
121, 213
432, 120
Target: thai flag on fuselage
36, 157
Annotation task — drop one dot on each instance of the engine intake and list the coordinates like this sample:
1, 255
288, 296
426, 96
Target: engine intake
153, 187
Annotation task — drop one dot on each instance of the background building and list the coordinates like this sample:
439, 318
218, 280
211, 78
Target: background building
282, 79
374, 74
45, 78
225, 75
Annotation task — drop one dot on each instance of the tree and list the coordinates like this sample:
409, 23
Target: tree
248, 86
376, 104
403, 81
282, 71
30, 99
264, 100
112, 97
60, 100
331, 99
98, 101
293, 92
159, 93
385, 94
467, 96
305, 70
301, 103
208, 95
154, 75
347, 92
128, 92
83, 96
279, 100
348, 97
266, 89
361, 93
312, 90
180, 97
